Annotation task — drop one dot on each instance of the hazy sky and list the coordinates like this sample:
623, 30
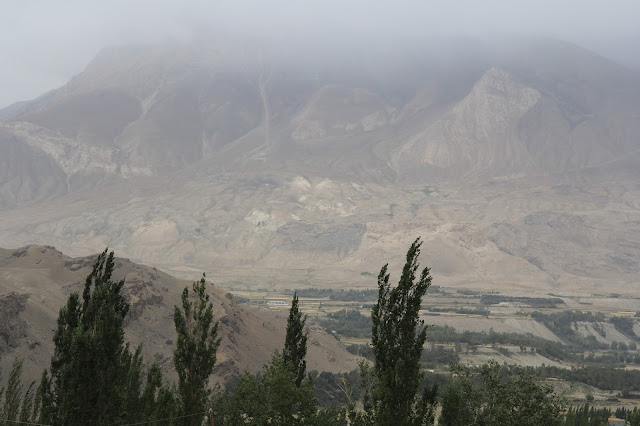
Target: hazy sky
44, 43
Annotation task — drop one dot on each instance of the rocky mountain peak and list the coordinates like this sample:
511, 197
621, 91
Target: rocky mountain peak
495, 101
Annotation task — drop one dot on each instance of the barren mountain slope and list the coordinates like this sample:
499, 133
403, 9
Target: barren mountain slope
543, 234
36, 280
518, 165
151, 109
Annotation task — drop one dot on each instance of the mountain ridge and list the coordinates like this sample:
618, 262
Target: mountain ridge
195, 157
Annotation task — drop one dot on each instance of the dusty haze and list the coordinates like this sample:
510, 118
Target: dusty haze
45, 44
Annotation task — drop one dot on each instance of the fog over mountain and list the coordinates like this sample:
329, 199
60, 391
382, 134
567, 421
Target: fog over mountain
51, 42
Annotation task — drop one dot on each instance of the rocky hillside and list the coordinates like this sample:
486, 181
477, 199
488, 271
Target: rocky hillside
517, 164
36, 280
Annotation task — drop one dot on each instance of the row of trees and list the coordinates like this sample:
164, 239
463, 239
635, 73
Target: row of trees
95, 378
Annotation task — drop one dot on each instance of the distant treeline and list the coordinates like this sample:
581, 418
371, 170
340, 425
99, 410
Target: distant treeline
365, 295
466, 310
606, 378
348, 322
447, 334
534, 302
564, 325
624, 325
351, 323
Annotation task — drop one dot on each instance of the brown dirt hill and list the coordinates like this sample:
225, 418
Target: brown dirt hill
35, 282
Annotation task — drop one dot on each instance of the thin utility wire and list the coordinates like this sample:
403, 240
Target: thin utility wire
128, 424
161, 420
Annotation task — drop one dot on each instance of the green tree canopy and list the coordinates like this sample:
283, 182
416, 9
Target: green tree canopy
395, 389
485, 398
13, 392
295, 345
195, 353
91, 368
280, 394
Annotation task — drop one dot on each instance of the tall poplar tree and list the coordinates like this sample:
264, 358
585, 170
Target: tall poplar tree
295, 345
397, 338
91, 366
13, 392
196, 347
26, 412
